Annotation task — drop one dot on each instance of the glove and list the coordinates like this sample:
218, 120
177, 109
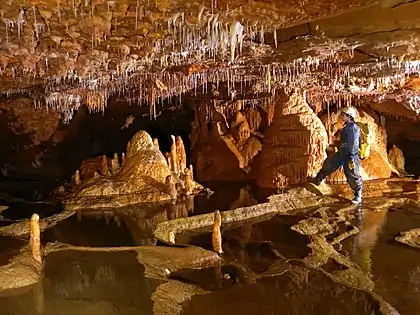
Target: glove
351, 164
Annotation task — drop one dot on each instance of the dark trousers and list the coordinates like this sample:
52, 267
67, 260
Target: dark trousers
333, 162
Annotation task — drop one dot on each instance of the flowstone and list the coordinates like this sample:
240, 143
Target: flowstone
294, 144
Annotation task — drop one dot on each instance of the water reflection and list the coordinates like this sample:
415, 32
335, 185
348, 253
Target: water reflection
394, 267
370, 223
135, 224
85, 283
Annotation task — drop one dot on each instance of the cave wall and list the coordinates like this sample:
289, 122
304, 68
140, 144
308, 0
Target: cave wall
225, 139
405, 134
38, 146
274, 141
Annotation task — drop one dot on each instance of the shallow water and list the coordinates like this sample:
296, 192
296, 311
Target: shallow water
9, 248
394, 267
256, 245
113, 283
298, 291
86, 283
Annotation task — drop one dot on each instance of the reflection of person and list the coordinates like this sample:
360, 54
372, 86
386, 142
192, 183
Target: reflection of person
370, 225
347, 156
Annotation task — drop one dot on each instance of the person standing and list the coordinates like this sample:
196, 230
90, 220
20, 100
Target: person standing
347, 156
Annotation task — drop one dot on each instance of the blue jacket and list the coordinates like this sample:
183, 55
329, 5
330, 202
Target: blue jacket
350, 138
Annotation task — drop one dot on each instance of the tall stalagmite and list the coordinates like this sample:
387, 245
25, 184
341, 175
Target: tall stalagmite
180, 154
173, 154
294, 144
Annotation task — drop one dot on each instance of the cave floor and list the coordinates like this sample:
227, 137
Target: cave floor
274, 266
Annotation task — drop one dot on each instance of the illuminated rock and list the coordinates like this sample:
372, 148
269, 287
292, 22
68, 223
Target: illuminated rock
294, 144
143, 178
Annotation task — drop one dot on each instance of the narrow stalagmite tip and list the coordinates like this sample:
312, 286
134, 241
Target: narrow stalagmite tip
35, 238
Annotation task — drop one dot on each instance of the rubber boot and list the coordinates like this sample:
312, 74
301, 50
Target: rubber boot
314, 180
357, 196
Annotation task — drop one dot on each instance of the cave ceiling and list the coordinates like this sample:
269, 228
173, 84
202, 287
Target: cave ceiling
67, 53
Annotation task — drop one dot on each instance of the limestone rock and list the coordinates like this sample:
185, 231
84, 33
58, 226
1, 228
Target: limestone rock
157, 259
294, 144
396, 158
410, 237
21, 271
312, 226
141, 179
222, 151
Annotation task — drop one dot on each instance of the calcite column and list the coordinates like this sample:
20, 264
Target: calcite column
294, 144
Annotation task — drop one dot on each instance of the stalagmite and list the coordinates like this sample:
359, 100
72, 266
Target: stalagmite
104, 166
171, 187
156, 143
115, 163
181, 155
217, 234
123, 159
96, 175
171, 237
192, 171
174, 159
168, 159
77, 179
189, 182
35, 240
396, 158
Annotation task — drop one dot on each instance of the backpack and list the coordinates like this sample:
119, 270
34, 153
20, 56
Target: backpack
364, 145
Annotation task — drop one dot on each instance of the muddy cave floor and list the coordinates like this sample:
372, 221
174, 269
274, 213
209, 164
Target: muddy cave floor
94, 262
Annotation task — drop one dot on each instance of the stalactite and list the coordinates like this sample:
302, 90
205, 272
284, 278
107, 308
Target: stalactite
181, 155
217, 234
117, 220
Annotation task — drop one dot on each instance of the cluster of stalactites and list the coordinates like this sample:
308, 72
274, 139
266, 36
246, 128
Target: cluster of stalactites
139, 85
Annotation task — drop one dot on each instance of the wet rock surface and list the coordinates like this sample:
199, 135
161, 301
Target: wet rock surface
411, 238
